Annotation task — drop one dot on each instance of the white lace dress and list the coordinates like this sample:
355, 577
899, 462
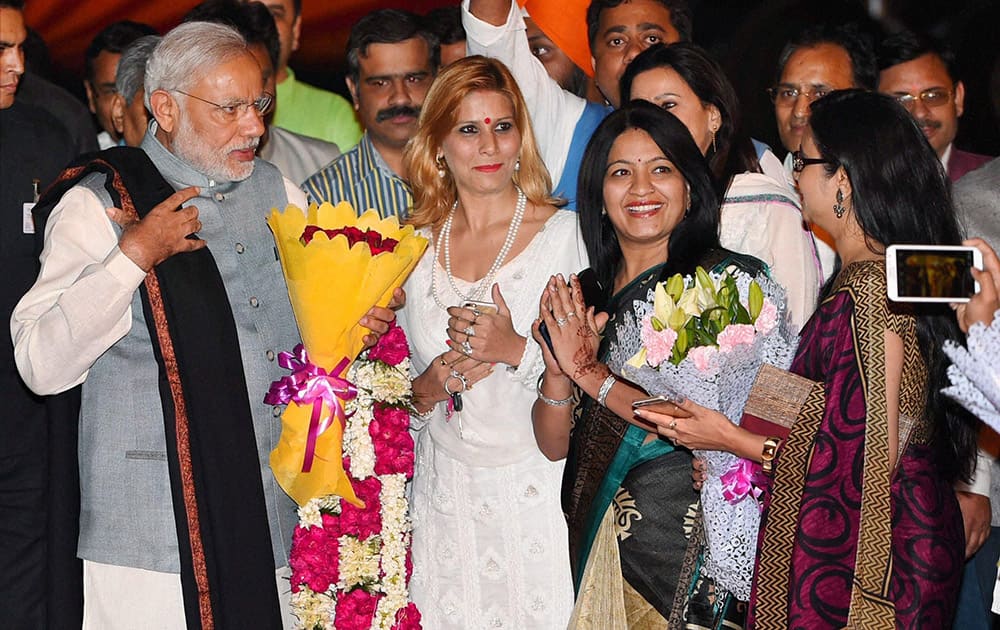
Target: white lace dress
489, 539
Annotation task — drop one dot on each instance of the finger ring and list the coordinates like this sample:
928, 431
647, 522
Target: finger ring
672, 425
466, 347
443, 362
571, 314
561, 321
470, 331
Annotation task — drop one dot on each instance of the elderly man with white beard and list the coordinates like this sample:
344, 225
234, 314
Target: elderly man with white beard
161, 295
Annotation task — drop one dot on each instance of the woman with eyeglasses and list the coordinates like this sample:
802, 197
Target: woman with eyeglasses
861, 527
759, 216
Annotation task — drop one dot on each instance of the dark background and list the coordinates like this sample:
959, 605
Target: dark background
745, 35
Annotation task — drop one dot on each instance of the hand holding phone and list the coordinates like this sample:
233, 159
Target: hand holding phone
931, 273
666, 404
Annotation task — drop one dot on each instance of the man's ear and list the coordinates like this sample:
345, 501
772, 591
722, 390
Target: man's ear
118, 113
354, 91
296, 28
959, 98
91, 96
165, 110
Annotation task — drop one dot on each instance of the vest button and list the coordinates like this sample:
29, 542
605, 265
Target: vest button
239, 248
276, 411
270, 355
254, 302
219, 196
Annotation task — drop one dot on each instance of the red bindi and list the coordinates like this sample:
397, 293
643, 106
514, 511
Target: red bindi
487, 121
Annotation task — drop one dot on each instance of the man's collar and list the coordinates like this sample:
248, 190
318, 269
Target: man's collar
372, 158
946, 156
176, 170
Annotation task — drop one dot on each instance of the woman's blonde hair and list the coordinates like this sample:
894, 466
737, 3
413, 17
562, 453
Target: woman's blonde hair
433, 195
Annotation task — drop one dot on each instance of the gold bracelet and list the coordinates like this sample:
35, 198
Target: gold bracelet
768, 452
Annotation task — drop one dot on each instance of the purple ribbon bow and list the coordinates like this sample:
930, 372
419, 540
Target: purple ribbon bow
307, 384
743, 477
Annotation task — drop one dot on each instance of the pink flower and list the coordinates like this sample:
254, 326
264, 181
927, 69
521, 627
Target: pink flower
407, 618
704, 358
658, 343
392, 347
314, 558
366, 521
735, 335
767, 318
744, 478
355, 610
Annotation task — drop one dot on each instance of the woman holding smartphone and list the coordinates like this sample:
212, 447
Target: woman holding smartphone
862, 527
489, 540
648, 209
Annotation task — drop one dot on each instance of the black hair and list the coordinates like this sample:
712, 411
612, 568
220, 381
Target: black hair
904, 46
252, 20
901, 194
734, 152
446, 23
855, 41
681, 17
17, 5
693, 237
115, 39
388, 26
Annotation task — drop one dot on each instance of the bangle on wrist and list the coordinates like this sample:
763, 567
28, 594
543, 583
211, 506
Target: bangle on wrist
602, 394
550, 401
768, 452
423, 415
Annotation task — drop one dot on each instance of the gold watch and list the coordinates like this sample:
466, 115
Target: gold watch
768, 452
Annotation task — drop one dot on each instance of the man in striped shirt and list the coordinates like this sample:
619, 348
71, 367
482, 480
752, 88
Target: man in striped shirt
391, 61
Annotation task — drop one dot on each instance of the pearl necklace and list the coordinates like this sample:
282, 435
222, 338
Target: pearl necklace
444, 244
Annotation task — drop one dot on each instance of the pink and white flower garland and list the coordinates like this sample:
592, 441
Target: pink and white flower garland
351, 566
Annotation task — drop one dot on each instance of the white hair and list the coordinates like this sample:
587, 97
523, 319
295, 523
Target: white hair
187, 52
132, 66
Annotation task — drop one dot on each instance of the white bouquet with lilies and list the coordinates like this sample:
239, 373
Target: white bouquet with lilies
703, 339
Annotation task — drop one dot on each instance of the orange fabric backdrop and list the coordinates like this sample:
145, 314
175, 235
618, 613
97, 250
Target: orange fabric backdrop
68, 27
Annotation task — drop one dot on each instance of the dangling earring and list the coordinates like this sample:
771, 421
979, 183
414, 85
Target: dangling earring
714, 149
838, 208
439, 160
604, 212
517, 166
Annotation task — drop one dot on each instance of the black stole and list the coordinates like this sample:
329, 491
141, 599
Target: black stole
227, 567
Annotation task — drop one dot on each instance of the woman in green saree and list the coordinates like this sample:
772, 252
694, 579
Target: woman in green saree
648, 210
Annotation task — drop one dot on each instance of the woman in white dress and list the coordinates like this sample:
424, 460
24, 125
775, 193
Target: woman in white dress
489, 538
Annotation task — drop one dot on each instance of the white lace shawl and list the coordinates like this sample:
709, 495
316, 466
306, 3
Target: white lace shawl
975, 372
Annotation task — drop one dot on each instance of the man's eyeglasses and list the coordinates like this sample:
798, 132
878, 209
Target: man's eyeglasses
231, 112
800, 162
787, 94
934, 97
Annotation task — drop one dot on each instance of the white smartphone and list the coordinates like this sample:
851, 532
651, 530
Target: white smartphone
931, 273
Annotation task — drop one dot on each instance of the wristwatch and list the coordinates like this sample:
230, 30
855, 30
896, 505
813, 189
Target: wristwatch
768, 452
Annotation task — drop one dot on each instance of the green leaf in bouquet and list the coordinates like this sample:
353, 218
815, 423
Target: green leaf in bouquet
717, 319
656, 323
680, 346
742, 316
755, 300
675, 286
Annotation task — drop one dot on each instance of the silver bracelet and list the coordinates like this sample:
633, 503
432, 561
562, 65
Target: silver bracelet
602, 394
425, 415
552, 402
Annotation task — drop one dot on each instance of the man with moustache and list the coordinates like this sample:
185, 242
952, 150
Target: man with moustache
170, 316
392, 60
37, 536
920, 74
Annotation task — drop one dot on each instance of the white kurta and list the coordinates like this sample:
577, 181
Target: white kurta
489, 538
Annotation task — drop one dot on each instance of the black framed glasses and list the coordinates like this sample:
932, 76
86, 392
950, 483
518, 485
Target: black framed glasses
800, 162
934, 97
230, 112
788, 94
